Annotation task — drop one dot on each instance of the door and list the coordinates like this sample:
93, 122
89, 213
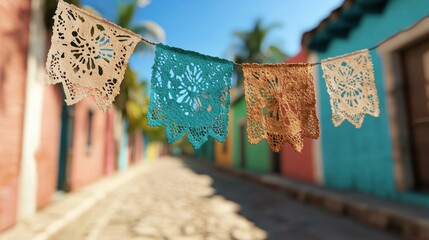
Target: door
275, 162
242, 146
415, 61
65, 147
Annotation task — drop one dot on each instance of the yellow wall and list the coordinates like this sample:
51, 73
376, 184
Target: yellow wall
223, 154
153, 151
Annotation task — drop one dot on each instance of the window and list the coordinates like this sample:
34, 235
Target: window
89, 131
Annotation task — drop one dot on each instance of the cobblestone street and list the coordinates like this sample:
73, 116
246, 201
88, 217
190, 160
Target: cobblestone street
177, 199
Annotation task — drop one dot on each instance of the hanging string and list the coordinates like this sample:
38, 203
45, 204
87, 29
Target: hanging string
148, 41
338, 57
296, 64
291, 64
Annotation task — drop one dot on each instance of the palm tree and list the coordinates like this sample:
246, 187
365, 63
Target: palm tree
133, 100
131, 104
147, 29
251, 48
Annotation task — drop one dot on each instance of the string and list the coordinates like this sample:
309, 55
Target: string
318, 62
290, 64
310, 63
148, 41
102, 20
107, 22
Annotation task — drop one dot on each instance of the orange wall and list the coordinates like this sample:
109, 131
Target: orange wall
14, 28
295, 165
223, 151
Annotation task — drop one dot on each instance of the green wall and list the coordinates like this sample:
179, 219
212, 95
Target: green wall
256, 156
361, 159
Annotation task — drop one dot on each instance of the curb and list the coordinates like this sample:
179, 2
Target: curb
408, 221
52, 219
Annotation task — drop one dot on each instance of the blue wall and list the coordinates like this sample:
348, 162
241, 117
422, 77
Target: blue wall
145, 146
361, 159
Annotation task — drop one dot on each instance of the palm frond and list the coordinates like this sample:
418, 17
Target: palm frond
126, 14
150, 30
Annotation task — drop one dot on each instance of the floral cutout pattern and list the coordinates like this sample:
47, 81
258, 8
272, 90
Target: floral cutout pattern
88, 55
190, 93
350, 83
281, 104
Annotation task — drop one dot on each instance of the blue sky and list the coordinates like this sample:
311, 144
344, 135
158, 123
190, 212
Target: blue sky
207, 26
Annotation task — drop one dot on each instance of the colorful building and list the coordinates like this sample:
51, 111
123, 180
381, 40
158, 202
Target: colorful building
123, 159
207, 150
223, 152
256, 158
388, 156
13, 74
87, 159
110, 151
46, 146
304, 166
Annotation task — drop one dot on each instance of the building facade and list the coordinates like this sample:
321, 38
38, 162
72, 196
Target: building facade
13, 69
223, 152
252, 157
45, 146
303, 166
388, 156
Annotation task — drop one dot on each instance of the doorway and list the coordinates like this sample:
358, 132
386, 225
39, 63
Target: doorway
242, 145
415, 62
275, 162
65, 148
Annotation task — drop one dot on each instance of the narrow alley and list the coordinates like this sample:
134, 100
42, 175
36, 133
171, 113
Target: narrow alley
184, 199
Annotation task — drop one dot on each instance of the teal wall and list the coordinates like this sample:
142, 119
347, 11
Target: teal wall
257, 156
361, 159
145, 146
123, 154
208, 149
198, 153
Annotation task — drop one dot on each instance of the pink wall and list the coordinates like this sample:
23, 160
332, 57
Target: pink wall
14, 28
295, 165
135, 147
139, 147
110, 153
47, 153
298, 166
87, 164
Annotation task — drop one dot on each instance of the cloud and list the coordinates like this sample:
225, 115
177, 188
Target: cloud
143, 3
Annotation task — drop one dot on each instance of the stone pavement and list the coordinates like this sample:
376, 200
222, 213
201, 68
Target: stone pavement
406, 220
52, 219
184, 199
